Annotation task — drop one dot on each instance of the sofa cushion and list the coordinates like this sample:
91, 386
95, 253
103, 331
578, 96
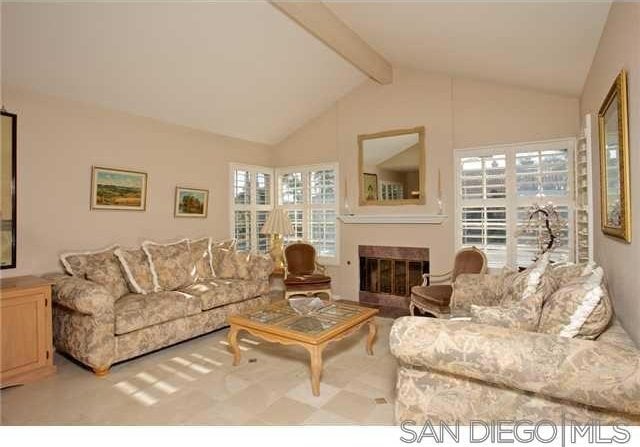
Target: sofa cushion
522, 285
569, 272
135, 311
523, 315
260, 266
171, 264
136, 268
219, 292
234, 265
580, 309
101, 267
218, 250
76, 263
201, 258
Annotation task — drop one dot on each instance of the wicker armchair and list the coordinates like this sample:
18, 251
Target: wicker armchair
434, 299
303, 274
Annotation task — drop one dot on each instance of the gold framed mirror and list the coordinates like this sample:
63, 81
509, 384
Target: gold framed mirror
613, 130
391, 167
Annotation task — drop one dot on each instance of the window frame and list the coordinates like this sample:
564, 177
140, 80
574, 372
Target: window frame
307, 207
512, 202
252, 207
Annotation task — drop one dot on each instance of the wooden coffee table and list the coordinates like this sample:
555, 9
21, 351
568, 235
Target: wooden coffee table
279, 323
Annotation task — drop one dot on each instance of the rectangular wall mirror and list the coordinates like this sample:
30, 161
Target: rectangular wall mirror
8, 188
614, 161
391, 167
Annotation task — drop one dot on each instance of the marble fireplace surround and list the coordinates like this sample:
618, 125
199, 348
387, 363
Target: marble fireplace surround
387, 273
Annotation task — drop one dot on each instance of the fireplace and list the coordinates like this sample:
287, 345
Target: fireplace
388, 273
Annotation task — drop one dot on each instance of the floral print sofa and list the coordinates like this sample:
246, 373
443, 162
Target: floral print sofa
117, 304
472, 368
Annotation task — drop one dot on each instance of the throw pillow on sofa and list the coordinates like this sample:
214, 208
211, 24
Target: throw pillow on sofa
101, 267
201, 258
234, 265
569, 272
525, 284
581, 309
218, 251
171, 264
137, 270
522, 315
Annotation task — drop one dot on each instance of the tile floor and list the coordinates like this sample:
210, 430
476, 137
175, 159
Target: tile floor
194, 383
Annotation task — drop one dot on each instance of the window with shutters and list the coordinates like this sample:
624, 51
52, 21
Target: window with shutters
496, 186
310, 195
252, 190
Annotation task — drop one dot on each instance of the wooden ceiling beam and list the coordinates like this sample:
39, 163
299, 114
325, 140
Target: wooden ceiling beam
320, 21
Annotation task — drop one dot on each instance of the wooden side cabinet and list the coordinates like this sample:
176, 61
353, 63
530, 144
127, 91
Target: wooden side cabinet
26, 351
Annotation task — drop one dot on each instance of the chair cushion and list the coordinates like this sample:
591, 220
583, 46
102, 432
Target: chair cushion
313, 278
439, 294
219, 292
171, 264
135, 265
136, 311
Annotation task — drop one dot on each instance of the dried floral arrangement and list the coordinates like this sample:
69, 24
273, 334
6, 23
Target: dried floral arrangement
546, 216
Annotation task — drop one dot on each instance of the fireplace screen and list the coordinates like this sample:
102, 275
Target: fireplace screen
388, 272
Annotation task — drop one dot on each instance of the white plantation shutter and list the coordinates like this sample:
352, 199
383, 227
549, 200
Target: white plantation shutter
483, 218
310, 195
496, 188
252, 200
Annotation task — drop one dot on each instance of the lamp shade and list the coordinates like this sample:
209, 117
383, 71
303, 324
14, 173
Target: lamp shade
277, 223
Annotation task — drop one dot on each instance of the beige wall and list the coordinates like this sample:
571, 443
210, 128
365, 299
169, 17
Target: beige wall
456, 113
59, 141
619, 48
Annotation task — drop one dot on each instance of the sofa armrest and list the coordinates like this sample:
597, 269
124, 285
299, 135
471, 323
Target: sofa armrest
261, 266
83, 296
480, 289
582, 371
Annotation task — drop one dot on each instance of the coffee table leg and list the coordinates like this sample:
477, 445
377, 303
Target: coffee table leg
373, 329
315, 352
233, 343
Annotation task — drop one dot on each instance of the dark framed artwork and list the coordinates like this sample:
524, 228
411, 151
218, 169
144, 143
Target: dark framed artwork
9, 211
370, 186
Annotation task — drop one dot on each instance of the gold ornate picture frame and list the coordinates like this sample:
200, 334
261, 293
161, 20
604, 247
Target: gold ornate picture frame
613, 134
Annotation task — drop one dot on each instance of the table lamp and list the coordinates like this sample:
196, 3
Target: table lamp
277, 225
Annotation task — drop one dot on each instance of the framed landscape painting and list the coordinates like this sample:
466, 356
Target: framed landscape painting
118, 189
191, 202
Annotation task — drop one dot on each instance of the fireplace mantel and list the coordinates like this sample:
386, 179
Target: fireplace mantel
432, 219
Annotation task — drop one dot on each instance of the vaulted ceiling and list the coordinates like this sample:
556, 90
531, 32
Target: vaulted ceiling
246, 70
242, 70
542, 45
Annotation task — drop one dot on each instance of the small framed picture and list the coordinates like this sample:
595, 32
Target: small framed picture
118, 189
191, 202
370, 186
